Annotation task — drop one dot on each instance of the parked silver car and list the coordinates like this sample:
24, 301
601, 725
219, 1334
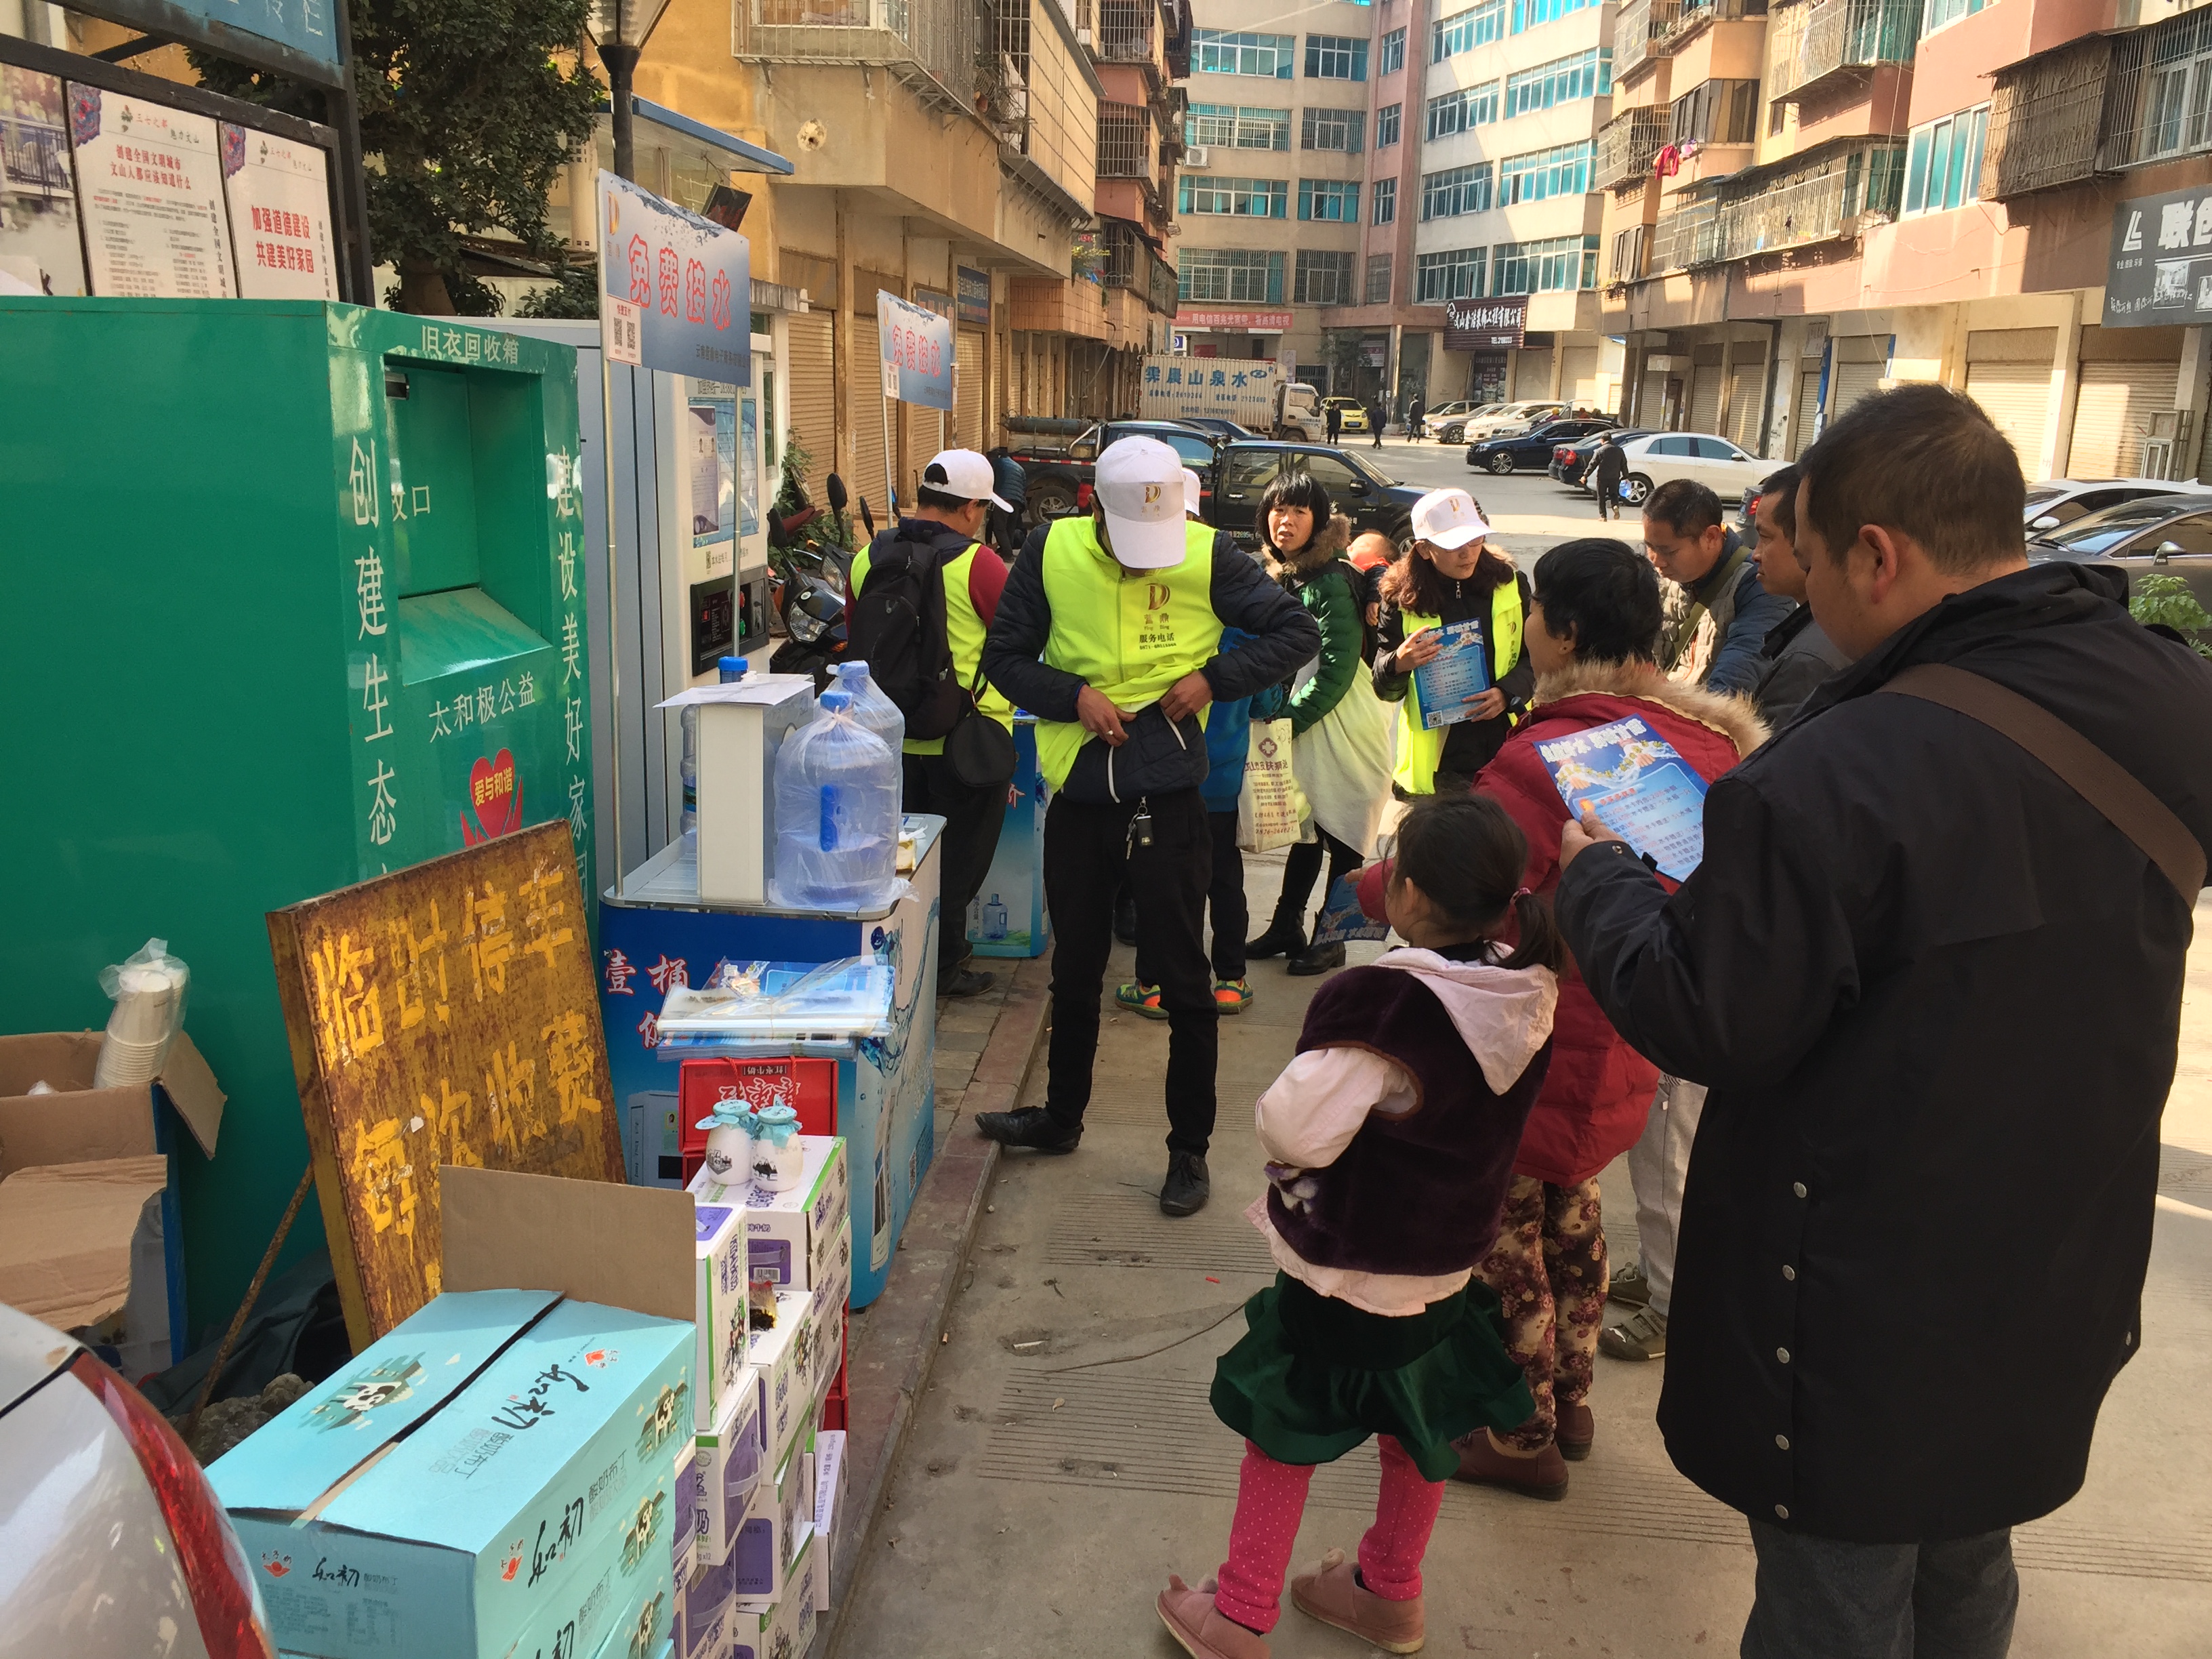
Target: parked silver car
112, 1543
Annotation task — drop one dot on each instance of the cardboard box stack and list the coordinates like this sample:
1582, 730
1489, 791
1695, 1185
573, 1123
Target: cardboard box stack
760, 1562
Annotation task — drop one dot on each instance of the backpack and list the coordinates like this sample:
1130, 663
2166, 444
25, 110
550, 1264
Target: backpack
896, 625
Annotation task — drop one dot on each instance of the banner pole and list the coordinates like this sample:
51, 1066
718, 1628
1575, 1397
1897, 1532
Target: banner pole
614, 601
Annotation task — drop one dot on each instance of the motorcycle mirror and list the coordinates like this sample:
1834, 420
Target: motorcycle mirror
867, 518
837, 496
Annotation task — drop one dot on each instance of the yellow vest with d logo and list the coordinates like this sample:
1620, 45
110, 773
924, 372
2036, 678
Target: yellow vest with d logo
1128, 634
1420, 749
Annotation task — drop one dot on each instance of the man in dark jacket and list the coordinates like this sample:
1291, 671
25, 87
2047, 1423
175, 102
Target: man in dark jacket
1713, 639
1109, 634
1378, 416
1608, 465
1893, 899
1335, 419
1797, 655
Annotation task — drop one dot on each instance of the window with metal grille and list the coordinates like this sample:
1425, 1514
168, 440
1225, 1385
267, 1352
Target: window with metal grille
1335, 200
1557, 265
1378, 279
2168, 111
1463, 31
1462, 110
1386, 124
1225, 51
1628, 250
1335, 58
1562, 81
1541, 174
1390, 52
1455, 190
1237, 126
1324, 279
1256, 198
1943, 165
1229, 273
1530, 13
1333, 128
1454, 276
1386, 201
1717, 113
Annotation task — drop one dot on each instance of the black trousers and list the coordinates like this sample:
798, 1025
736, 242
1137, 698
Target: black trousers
1224, 903
972, 818
1821, 1598
1085, 862
1302, 863
1607, 492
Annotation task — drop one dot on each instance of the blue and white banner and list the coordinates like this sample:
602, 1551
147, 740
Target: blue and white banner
676, 290
917, 352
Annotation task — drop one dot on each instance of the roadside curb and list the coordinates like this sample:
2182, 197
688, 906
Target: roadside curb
896, 1341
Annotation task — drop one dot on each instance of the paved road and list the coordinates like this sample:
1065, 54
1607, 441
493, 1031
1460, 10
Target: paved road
1063, 1460
1528, 512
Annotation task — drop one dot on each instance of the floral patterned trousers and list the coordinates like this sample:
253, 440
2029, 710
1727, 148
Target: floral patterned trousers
1548, 1269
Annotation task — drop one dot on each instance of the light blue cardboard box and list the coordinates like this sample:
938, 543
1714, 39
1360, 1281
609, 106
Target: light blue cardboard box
538, 1427
621, 1601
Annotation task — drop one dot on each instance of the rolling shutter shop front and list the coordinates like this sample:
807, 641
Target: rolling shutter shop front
1747, 400
811, 374
2128, 376
968, 388
2008, 374
1856, 371
1808, 407
865, 394
1705, 391
1578, 375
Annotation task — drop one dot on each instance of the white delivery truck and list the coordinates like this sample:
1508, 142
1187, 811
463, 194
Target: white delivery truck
1250, 392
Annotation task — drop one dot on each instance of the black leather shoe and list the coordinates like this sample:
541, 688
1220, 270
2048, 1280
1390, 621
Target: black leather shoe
1188, 1187
966, 982
1031, 1127
1318, 959
1284, 938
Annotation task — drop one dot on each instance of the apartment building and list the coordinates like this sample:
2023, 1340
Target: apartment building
1008, 163
1915, 190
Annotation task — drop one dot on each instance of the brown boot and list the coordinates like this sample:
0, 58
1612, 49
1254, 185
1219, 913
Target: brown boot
1204, 1631
1577, 1428
1482, 1463
1332, 1593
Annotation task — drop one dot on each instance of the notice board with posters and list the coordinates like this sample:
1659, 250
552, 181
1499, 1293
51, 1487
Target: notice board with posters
443, 1014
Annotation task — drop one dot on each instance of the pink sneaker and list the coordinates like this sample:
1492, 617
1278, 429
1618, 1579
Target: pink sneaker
1333, 1594
1204, 1631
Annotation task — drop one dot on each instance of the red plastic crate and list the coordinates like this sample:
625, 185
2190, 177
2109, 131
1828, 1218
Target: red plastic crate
810, 1085
835, 1402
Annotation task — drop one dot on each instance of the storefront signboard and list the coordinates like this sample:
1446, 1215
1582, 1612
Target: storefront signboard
1486, 325
972, 288
2159, 271
1251, 322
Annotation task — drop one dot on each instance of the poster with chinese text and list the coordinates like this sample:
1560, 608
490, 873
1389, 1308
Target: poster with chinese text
40, 251
150, 187
916, 344
447, 1013
678, 288
279, 196
1640, 787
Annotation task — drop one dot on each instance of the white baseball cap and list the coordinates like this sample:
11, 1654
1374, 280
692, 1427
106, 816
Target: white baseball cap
963, 473
1448, 518
1139, 487
1193, 492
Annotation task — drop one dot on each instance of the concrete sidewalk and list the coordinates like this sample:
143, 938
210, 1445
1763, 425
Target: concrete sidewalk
1061, 1458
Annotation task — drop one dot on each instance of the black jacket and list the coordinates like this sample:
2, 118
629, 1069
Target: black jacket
1468, 744
1936, 995
1795, 658
1242, 595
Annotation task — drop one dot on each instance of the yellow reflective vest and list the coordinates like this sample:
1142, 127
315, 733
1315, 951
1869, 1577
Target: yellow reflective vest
1128, 634
1420, 748
963, 632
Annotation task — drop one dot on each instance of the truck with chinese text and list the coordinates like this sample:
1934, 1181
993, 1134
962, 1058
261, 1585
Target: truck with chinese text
1251, 391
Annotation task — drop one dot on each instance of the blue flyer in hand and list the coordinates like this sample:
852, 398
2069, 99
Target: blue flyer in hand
1341, 918
1449, 682
1640, 787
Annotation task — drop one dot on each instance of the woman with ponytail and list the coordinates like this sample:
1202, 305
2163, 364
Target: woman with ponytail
1390, 1141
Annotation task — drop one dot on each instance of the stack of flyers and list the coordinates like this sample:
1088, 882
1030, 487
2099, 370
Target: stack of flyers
1640, 787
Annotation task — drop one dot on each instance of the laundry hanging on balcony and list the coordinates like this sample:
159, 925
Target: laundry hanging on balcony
1667, 163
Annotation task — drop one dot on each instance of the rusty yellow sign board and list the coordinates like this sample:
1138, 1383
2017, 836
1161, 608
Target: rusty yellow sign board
443, 1014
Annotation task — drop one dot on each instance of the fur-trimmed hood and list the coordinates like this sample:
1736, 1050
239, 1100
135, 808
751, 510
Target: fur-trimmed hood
1731, 715
1328, 543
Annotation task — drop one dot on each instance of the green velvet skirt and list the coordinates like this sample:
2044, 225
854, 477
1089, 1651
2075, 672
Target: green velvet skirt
1314, 1376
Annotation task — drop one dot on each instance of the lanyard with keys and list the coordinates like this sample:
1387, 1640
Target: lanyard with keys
1141, 828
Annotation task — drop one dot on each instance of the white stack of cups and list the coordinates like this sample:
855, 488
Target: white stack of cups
149, 1010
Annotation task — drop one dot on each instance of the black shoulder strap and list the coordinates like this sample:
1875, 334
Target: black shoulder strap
2095, 776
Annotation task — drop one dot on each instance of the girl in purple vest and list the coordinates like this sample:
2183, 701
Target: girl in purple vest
1390, 1138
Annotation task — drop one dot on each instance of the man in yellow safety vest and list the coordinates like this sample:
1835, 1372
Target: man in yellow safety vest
1110, 635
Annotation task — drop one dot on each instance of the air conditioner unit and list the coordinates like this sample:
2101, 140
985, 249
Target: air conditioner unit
1198, 155
1082, 37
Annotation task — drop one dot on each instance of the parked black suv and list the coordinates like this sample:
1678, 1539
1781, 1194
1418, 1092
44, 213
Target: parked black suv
1371, 498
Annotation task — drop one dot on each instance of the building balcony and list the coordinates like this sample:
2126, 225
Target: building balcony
1822, 43
1128, 147
1131, 264
926, 45
1836, 199
1648, 30
1626, 147
1687, 237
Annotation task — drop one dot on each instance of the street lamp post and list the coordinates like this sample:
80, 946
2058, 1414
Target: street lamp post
619, 28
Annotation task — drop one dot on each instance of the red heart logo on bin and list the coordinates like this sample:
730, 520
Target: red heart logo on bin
495, 797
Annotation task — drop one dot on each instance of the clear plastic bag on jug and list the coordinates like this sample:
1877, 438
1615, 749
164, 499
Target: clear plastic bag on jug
836, 813
148, 989
872, 705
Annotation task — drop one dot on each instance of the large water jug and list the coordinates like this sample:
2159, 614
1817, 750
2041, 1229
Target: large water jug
729, 671
871, 706
836, 813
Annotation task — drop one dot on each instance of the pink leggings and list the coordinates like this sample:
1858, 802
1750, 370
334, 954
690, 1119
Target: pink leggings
1271, 1498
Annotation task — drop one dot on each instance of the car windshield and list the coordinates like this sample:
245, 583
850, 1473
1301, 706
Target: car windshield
2098, 532
1374, 474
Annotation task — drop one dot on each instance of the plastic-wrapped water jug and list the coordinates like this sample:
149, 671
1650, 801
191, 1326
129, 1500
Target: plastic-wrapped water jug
874, 710
836, 812
729, 670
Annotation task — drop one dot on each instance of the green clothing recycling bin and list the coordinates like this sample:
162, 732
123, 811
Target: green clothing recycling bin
293, 595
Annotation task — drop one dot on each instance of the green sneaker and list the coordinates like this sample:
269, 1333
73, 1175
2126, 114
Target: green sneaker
1140, 998
1642, 1335
1232, 996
